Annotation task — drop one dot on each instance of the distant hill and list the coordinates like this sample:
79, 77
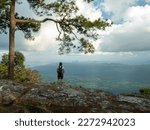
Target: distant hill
112, 77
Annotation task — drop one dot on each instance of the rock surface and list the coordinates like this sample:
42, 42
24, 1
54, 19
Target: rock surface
16, 97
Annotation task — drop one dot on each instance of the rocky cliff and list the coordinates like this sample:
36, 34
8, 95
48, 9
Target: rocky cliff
17, 97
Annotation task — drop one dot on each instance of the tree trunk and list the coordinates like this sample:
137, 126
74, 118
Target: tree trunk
11, 40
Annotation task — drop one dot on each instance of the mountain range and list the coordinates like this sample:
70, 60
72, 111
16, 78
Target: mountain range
111, 77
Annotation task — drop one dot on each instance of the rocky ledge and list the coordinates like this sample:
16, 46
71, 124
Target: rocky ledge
17, 97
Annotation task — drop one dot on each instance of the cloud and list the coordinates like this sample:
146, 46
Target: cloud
45, 39
117, 8
88, 10
133, 35
148, 1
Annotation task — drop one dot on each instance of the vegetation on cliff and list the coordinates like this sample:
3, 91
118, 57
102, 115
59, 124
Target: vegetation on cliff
145, 92
21, 73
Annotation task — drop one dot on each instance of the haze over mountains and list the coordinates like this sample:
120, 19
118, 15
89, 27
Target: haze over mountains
112, 77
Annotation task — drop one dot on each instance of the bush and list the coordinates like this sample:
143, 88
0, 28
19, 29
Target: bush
145, 92
3, 71
26, 75
21, 73
19, 59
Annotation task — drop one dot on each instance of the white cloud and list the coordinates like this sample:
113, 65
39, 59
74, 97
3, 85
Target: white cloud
45, 39
133, 35
117, 7
138, 13
88, 10
148, 1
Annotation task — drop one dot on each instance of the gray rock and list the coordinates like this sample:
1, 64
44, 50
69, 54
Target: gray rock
6, 97
64, 98
135, 100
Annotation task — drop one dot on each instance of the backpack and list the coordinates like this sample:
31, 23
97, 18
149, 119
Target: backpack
60, 69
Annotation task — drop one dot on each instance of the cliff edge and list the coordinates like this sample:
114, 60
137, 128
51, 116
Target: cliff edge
30, 98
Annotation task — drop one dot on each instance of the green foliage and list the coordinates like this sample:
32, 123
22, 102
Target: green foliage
87, 46
27, 28
26, 75
4, 15
73, 28
88, 1
3, 71
4, 59
21, 73
19, 59
145, 92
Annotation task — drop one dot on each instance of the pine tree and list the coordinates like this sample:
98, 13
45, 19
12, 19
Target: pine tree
64, 13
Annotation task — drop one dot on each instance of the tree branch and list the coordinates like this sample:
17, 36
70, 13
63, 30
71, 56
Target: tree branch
58, 31
75, 35
35, 21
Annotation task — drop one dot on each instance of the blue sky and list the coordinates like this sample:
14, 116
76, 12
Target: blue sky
127, 40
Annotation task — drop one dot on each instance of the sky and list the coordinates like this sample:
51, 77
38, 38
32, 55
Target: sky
126, 41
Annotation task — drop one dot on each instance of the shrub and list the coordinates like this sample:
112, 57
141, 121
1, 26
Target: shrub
21, 73
26, 75
19, 59
3, 71
145, 92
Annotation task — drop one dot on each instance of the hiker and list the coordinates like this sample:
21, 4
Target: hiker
60, 72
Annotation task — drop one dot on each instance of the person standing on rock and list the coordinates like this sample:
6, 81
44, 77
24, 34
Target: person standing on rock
60, 72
